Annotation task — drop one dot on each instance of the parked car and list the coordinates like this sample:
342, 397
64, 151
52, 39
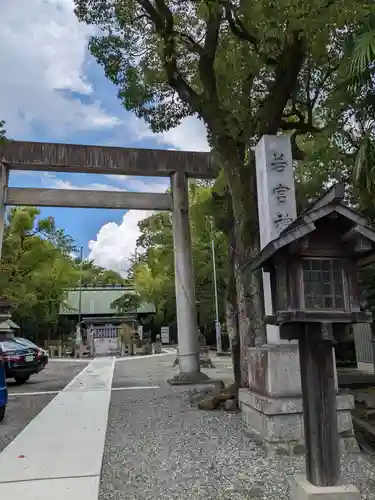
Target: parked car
22, 358
42, 356
3, 388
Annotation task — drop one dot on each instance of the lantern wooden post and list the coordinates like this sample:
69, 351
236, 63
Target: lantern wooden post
319, 405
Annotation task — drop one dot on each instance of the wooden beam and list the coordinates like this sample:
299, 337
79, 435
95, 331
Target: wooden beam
335, 194
357, 231
79, 198
39, 156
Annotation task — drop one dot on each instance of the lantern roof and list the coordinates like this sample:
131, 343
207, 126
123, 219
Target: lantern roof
332, 201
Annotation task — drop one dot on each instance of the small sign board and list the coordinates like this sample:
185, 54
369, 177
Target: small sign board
140, 332
165, 339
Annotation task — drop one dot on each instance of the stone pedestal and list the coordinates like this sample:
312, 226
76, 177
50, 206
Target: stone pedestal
272, 410
301, 489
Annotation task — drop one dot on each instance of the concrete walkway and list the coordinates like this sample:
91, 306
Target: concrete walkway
59, 454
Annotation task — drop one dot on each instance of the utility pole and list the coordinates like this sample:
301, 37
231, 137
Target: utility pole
219, 346
78, 329
80, 286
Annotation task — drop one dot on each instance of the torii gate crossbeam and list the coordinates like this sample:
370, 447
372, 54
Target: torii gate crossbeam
178, 165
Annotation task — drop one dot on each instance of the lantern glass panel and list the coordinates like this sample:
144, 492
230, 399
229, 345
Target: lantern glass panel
323, 284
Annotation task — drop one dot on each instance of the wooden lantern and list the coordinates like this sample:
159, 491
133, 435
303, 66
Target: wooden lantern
315, 294
313, 266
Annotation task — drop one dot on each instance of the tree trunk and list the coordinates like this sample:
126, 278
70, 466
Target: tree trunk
232, 315
224, 220
241, 178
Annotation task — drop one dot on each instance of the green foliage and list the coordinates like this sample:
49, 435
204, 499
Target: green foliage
91, 274
238, 65
364, 170
36, 268
152, 271
127, 303
360, 49
2, 131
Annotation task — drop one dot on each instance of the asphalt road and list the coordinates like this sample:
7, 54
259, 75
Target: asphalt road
25, 402
55, 376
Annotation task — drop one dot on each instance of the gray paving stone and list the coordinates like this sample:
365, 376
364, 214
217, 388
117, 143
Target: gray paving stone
22, 409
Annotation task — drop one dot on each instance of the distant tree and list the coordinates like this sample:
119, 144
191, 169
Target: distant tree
152, 269
96, 275
35, 271
2, 131
129, 302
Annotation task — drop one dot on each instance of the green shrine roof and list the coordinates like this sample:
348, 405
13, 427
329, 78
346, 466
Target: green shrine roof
97, 301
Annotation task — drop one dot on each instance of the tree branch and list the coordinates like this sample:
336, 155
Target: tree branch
297, 153
284, 83
207, 59
189, 42
237, 27
153, 14
323, 81
163, 20
301, 126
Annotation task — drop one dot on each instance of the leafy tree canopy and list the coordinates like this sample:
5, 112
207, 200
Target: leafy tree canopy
92, 274
37, 268
2, 131
246, 68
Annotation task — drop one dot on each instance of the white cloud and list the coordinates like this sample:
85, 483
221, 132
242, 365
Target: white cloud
127, 182
50, 181
42, 60
191, 135
115, 243
141, 184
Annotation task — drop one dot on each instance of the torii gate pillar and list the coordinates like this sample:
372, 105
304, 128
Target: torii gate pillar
187, 328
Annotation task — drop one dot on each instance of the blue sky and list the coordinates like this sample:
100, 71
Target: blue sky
52, 90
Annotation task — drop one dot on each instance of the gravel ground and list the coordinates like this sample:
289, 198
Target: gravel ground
22, 409
158, 447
